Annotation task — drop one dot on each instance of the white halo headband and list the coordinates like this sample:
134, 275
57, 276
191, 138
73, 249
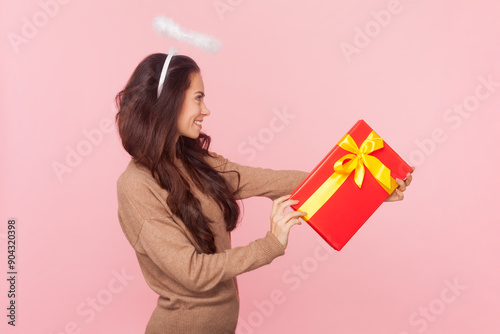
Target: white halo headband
171, 53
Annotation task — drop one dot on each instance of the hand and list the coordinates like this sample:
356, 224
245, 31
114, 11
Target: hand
280, 223
397, 195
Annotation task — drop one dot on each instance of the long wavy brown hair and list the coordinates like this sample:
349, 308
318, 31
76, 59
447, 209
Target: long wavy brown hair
147, 125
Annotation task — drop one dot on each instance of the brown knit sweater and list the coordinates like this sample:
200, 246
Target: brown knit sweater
198, 293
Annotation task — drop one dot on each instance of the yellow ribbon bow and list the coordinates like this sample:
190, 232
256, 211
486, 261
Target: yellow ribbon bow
360, 157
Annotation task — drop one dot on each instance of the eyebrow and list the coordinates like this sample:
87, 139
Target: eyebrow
202, 94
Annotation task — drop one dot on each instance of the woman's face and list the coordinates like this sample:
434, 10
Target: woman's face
193, 109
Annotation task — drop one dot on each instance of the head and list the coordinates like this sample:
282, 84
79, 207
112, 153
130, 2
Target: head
151, 125
157, 129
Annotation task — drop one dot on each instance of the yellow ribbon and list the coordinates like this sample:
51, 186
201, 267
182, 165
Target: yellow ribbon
359, 158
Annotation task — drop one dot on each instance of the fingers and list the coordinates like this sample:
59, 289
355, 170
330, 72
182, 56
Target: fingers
292, 217
400, 195
402, 185
292, 222
281, 203
282, 223
277, 202
409, 177
406, 182
280, 217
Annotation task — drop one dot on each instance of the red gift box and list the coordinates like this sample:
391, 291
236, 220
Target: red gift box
349, 184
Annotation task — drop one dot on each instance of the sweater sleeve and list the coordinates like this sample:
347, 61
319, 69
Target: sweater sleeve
257, 181
175, 255
154, 231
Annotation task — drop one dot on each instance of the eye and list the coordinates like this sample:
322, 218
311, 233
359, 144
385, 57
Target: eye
198, 98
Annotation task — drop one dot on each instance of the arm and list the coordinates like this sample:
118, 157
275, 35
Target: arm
256, 181
154, 231
169, 248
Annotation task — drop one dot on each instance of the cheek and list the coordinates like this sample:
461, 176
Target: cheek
187, 117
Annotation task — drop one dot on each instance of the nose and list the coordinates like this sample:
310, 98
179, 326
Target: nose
205, 111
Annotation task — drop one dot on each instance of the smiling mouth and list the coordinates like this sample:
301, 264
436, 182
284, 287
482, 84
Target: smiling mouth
197, 122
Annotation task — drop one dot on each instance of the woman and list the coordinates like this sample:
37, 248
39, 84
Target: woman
177, 200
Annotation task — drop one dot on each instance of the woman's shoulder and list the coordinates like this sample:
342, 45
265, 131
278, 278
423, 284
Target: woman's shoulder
135, 176
216, 161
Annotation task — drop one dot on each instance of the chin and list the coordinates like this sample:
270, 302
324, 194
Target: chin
192, 136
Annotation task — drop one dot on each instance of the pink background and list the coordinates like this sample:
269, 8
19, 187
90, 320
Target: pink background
395, 276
